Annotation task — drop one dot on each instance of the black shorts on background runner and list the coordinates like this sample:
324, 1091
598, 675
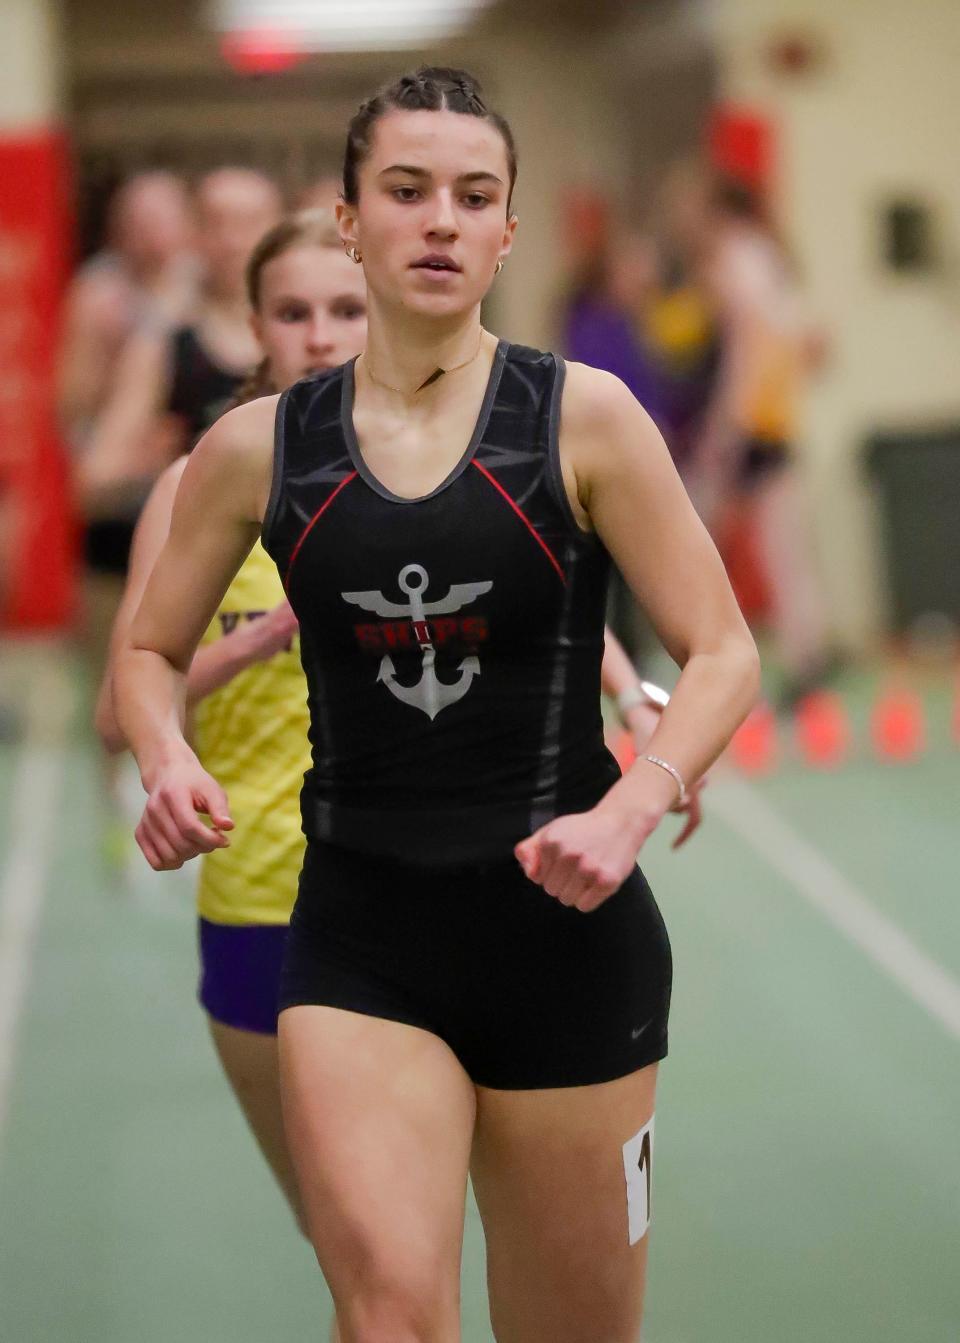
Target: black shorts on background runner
106, 545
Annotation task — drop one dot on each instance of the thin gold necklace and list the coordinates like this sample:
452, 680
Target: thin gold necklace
434, 376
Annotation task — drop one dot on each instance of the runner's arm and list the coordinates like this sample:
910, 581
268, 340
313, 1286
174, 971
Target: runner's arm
624, 484
215, 664
214, 523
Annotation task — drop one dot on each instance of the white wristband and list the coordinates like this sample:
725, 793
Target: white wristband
641, 692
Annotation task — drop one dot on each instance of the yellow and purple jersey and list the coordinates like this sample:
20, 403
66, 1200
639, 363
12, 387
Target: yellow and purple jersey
251, 735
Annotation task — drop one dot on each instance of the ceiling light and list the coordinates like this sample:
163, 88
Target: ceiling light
347, 25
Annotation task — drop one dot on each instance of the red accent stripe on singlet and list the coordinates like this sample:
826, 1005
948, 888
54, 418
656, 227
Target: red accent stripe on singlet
525, 520
312, 523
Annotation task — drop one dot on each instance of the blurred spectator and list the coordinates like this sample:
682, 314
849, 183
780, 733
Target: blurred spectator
146, 262
742, 465
146, 256
179, 368
188, 369
674, 318
214, 352
637, 313
598, 326
598, 329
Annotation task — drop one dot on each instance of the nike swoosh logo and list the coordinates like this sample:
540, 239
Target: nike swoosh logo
635, 1035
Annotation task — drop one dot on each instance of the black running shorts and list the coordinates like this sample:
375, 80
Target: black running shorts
106, 545
526, 992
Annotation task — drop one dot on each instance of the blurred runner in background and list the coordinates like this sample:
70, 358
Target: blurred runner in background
599, 328
146, 257
743, 463
181, 366
146, 263
247, 692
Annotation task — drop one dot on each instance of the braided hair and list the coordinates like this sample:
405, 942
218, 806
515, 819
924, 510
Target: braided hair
432, 88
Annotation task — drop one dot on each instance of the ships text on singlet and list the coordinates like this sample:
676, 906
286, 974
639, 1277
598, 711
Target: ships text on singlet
452, 643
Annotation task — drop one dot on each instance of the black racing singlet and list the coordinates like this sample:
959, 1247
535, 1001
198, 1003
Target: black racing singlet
452, 644
200, 389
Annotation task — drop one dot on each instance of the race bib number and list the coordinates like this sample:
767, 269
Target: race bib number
638, 1170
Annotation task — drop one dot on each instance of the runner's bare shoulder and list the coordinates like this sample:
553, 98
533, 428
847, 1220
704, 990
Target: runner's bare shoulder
235, 456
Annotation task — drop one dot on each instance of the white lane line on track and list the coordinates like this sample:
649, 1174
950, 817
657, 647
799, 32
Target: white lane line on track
814, 877
33, 821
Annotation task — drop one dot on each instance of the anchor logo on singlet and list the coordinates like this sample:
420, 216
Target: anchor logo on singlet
429, 694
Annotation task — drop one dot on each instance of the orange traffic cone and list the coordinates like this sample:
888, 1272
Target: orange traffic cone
897, 725
822, 729
754, 744
624, 750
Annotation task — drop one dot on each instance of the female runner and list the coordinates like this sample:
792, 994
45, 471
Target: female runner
247, 690
246, 687
182, 365
189, 371
477, 976
744, 463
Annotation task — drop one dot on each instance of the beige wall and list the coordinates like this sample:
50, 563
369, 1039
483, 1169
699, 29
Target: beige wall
29, 76
557, 112
603, 105
881, 117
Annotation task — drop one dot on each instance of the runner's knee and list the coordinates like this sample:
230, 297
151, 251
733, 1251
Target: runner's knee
398, 1304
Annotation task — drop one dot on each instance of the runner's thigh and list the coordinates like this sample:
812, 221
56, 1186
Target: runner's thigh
379, 1119
550, 1178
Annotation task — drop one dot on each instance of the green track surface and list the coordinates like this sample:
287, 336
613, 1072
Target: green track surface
807, 1184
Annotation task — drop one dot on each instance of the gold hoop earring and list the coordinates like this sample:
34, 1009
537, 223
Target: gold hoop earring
499, 265
355, 255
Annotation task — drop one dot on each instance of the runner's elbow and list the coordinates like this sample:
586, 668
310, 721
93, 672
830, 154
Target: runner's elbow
745, 663
107, 728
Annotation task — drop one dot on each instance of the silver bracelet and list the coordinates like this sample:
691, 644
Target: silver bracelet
641, 692
675, 774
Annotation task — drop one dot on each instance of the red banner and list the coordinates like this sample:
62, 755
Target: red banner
34, 477
741, 142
